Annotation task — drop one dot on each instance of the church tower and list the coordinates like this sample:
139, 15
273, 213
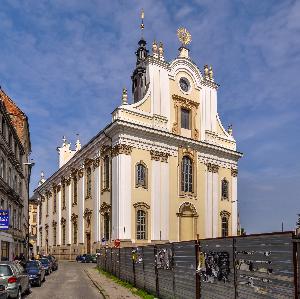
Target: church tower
140, 80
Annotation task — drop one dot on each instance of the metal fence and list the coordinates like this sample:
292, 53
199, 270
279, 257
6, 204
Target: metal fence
254, 266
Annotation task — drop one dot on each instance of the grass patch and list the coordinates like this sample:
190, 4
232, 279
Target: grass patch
141, 293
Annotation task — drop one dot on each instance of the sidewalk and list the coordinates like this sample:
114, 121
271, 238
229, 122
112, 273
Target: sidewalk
108, 288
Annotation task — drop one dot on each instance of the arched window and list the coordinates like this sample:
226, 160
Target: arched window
74, 190
2, 168
75, 232
106, 173
64, 234
225, 186
224, 223
106, 226
88, 182
141, 175
54, 235
141, 225
187, 175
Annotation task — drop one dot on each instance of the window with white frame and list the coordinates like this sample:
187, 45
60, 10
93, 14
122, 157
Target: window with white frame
187, 174
141, 175
141, 225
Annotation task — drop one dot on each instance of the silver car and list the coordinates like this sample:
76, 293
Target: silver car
15, 278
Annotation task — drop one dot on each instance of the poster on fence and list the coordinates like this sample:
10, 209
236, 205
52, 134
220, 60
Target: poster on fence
164, 258
137, 255
214, 266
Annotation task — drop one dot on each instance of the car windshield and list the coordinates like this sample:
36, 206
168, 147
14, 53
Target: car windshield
5, 270
45, 261
32, 265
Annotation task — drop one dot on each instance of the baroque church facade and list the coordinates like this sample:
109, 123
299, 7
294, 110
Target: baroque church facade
164, 169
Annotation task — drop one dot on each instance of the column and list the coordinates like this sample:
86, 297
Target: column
208, 202
81, 199
97, 198
69, 209
165, 175
155, 200
234, 208
58, 212
121, 192
215, 192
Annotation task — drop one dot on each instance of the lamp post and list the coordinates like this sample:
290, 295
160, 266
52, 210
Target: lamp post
29, 165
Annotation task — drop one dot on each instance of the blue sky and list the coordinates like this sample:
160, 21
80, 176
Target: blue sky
65, 63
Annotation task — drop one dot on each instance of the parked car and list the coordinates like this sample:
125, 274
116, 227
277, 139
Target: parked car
14, 278
46, 265
87, 258
54, 262
94, 258
3, 292
36, 272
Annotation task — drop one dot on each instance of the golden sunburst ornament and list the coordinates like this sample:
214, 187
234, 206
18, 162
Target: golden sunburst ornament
184, 36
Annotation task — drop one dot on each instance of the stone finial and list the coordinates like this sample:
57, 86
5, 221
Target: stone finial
78, 144
124, 97
161, 51
64, 140
206, 72
42, 179
211, 74
155, 49
229, 130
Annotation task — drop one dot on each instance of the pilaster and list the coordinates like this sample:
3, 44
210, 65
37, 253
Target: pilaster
97, 200
81, 199
58, 213
234, 208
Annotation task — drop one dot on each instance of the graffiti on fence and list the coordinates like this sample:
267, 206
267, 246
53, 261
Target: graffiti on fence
254, 266
250, 281
137, 255
164, 258
214, 266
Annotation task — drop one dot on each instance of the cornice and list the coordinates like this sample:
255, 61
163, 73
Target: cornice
209, 83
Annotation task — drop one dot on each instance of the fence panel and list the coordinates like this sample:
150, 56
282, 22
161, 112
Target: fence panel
184, 270
149, 269
139, 267
129, 265
113, 261
216, 268
265, 267
117, 261
164, 265
122, 264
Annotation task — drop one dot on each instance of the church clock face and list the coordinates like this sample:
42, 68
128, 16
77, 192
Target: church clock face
184, 84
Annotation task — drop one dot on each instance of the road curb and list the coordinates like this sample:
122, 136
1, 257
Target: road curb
97, 285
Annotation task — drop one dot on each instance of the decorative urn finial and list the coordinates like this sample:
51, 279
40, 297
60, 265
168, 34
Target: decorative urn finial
229, 130
211, 74
161, 51
124, 97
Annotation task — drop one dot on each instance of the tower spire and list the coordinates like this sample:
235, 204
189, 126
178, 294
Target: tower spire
142, 22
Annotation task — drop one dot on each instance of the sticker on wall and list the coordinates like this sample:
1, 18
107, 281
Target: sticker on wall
137, 255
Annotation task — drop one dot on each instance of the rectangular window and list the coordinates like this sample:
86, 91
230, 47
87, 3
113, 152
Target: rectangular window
4, 251
64, 235
54, 236
75, 191
75, 233
34, 217
54, 201
141, 225
185, 118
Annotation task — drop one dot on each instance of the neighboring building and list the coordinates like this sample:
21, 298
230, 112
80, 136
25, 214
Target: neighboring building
163, 170
32, 227
14, 176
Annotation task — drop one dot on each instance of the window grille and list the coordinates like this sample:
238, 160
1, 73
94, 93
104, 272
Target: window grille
63, 196
54, 201
88, 182
54, 235
106, 173
224, 226
225, 189
141, 172
75, 233
64, 235
106, 226
187, 175
75, 191
141, 225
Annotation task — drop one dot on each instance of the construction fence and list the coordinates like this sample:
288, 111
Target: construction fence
253, 266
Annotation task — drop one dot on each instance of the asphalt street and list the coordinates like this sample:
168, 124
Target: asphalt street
69, 281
